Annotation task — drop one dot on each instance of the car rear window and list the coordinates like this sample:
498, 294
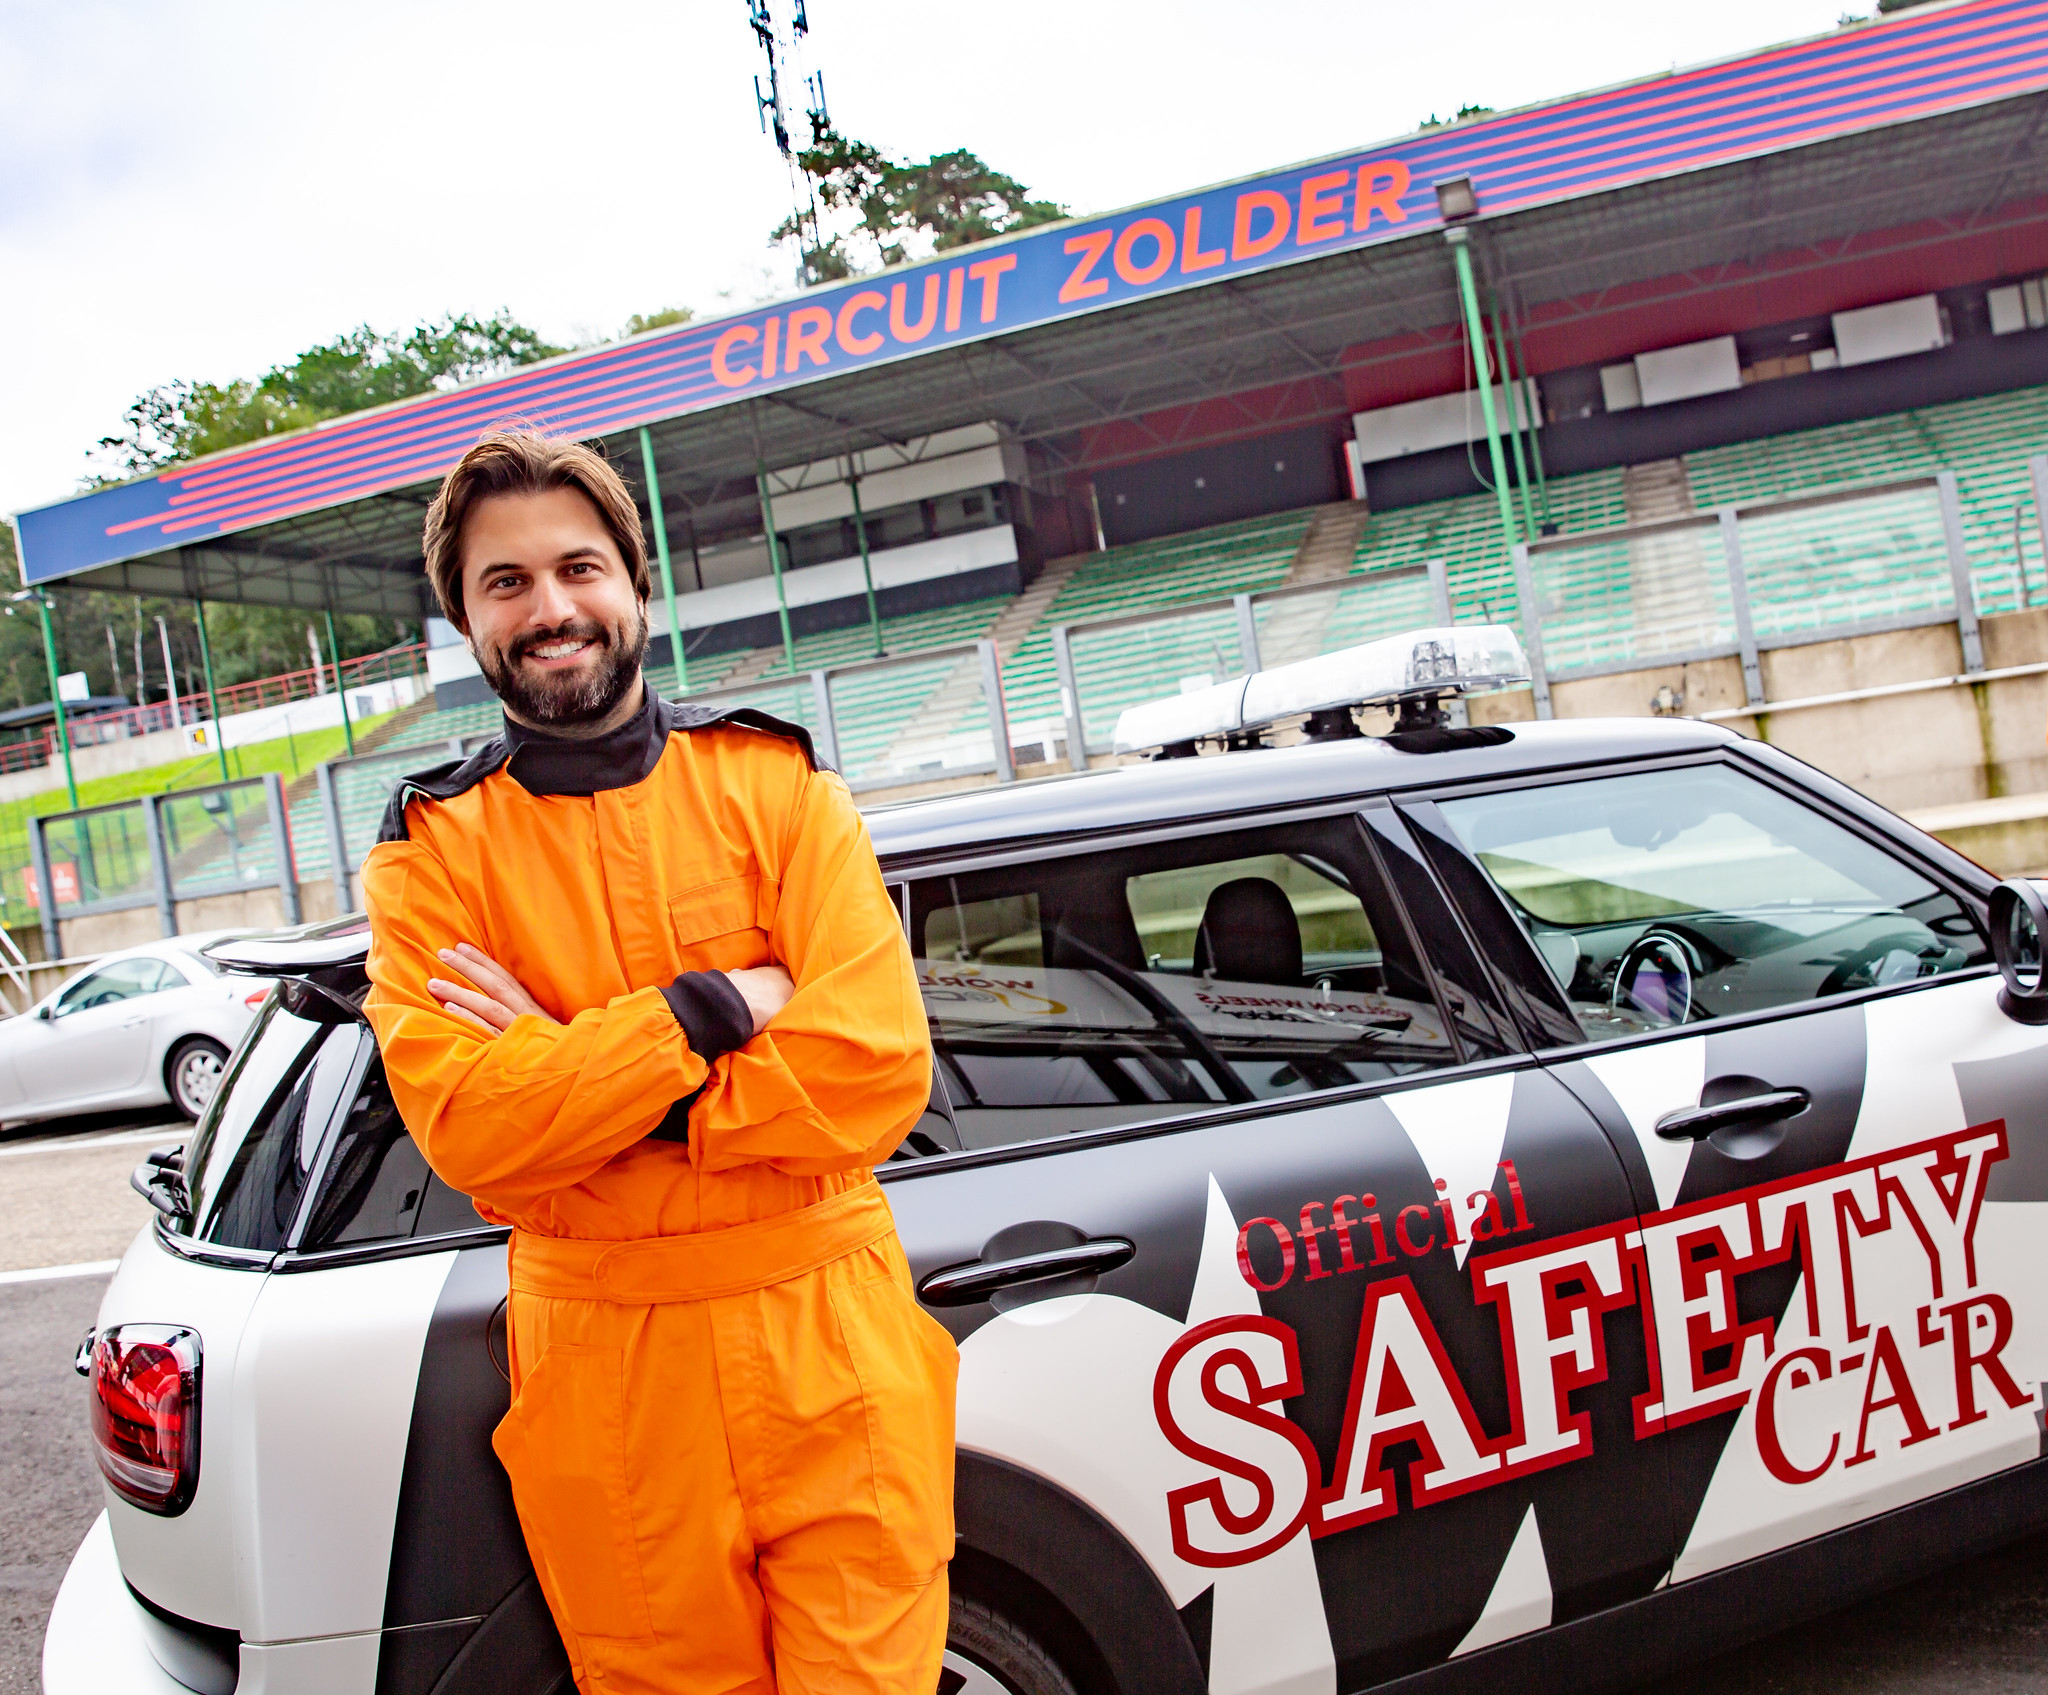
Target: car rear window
257, 1146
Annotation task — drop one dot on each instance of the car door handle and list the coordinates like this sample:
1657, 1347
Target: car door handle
1697, 1123
963, 1285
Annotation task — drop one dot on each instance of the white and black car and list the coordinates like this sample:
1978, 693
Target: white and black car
1533, 1203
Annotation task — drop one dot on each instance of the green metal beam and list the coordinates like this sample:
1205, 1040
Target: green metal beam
348, 730
220, 745
677, 656
1475, 333
1516, 421
775, 563
867, 570
56, 699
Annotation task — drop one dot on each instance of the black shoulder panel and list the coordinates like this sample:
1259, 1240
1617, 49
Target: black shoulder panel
688, 715
440, 782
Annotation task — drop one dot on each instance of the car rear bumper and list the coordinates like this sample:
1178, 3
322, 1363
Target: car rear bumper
95, 1641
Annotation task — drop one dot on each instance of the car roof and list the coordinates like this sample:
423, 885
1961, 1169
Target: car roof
1247, 782
1259, 780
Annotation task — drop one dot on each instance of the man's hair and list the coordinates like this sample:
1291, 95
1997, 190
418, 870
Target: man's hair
525, 462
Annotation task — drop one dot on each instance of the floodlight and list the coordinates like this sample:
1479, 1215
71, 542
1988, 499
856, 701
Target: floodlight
1456, 199
1420, 667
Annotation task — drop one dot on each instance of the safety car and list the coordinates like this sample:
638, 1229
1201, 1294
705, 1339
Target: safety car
1530, 1201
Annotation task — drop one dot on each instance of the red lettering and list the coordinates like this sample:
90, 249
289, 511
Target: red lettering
1341, 1226
1310, 1231
1380, 188
1816, 1367
1401, 1233
727, 374
867, 300
1144, 229
900, 325
1962, 1318
1489, 1223
956, 284
1884, 1356
1079, 284
1445, 1206
1279, 214
1322, 208
809, 326
1192, 258
1515, 1196
1244, 1257
769, 332
1232, 1431
989, 273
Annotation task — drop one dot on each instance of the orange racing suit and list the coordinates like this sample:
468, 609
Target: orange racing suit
731, 1436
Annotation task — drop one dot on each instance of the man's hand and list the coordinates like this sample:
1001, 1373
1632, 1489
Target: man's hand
766, 990
497, 998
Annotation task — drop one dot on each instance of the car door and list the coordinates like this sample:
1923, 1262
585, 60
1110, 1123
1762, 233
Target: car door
1261, 1241
96, 1041
1841, 1144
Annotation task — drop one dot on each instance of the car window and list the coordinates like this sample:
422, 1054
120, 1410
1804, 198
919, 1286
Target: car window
376, 1186
124, 979
255, 1149
1672, 897
1107, 988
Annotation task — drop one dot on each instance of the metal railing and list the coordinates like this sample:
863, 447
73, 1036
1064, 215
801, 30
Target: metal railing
1107, 664
1747, 578
158, 850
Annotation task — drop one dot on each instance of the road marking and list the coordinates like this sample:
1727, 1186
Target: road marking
121, 1138
50, 1273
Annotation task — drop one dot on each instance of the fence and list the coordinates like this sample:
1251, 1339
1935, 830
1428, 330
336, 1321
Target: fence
100, 727
1108, 664
1748, 578
160, 849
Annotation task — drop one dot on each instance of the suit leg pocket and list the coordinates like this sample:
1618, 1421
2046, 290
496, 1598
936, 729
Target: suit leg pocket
908, 1370
564, 1446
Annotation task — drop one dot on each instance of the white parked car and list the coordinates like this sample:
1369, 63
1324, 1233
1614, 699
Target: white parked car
137, 1028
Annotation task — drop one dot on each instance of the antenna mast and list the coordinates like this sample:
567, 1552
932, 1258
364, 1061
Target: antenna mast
788, 55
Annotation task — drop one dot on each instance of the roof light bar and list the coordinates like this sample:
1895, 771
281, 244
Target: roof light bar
1423, 664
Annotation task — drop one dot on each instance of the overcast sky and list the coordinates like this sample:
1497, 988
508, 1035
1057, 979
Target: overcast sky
200, 188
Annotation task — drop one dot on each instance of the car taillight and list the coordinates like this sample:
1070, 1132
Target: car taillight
145, 1414
256, 997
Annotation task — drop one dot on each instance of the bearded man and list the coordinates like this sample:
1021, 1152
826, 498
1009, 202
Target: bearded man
642, 995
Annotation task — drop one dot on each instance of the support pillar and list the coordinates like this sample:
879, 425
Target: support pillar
775, 564
1475, 333
677, 656
56, 699
348, 729
220, 745
867, 570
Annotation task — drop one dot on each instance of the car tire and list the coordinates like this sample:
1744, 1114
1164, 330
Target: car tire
192, 1073
988, 1655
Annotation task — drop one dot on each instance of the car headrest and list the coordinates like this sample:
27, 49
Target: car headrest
1249, 934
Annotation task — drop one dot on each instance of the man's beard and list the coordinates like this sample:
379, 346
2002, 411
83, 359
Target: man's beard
564, 700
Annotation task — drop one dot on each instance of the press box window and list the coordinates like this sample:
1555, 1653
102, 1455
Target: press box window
1098, 989
1674, 897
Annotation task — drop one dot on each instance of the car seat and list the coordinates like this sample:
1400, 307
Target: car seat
1249, 934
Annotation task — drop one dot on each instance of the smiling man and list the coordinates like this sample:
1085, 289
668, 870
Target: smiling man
642, 995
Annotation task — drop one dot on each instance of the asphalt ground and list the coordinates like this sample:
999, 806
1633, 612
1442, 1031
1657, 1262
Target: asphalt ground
1975, 1629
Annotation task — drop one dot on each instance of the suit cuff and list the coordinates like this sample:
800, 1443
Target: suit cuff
713, 1013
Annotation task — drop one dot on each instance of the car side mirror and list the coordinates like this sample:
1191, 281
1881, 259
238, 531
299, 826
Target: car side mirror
47, 1011
2019, 921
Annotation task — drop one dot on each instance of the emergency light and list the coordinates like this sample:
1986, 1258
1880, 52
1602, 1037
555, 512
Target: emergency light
1411, 673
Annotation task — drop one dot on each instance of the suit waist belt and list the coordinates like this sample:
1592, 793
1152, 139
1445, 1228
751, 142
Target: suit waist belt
705, 1266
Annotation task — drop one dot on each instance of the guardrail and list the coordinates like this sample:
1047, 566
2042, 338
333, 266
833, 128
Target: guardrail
160, 849
1750, 577
1106, 664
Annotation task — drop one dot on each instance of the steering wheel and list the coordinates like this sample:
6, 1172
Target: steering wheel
1859, 970
1654, 977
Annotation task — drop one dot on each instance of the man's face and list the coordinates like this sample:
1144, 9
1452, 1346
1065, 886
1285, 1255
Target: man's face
553, 617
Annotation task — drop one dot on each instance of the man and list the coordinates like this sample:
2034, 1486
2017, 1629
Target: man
641, 993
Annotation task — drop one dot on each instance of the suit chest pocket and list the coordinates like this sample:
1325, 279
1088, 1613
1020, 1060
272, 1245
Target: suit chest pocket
723, 926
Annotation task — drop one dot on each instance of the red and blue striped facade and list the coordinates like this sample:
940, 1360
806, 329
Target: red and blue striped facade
1914, 66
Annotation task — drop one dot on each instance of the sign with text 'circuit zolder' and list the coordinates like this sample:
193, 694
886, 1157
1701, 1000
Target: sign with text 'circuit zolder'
1766, 102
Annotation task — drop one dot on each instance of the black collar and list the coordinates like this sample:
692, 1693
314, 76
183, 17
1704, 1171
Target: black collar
542, 764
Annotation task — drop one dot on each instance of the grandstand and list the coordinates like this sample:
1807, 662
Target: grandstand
1803, 288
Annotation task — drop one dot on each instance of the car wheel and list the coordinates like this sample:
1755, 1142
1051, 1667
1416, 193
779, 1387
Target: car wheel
192, 1073
988, 1655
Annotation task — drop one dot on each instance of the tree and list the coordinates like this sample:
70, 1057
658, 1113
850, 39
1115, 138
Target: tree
639, 323
184, 420
882, 211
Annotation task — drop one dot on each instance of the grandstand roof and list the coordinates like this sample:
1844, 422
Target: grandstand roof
1909, 131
